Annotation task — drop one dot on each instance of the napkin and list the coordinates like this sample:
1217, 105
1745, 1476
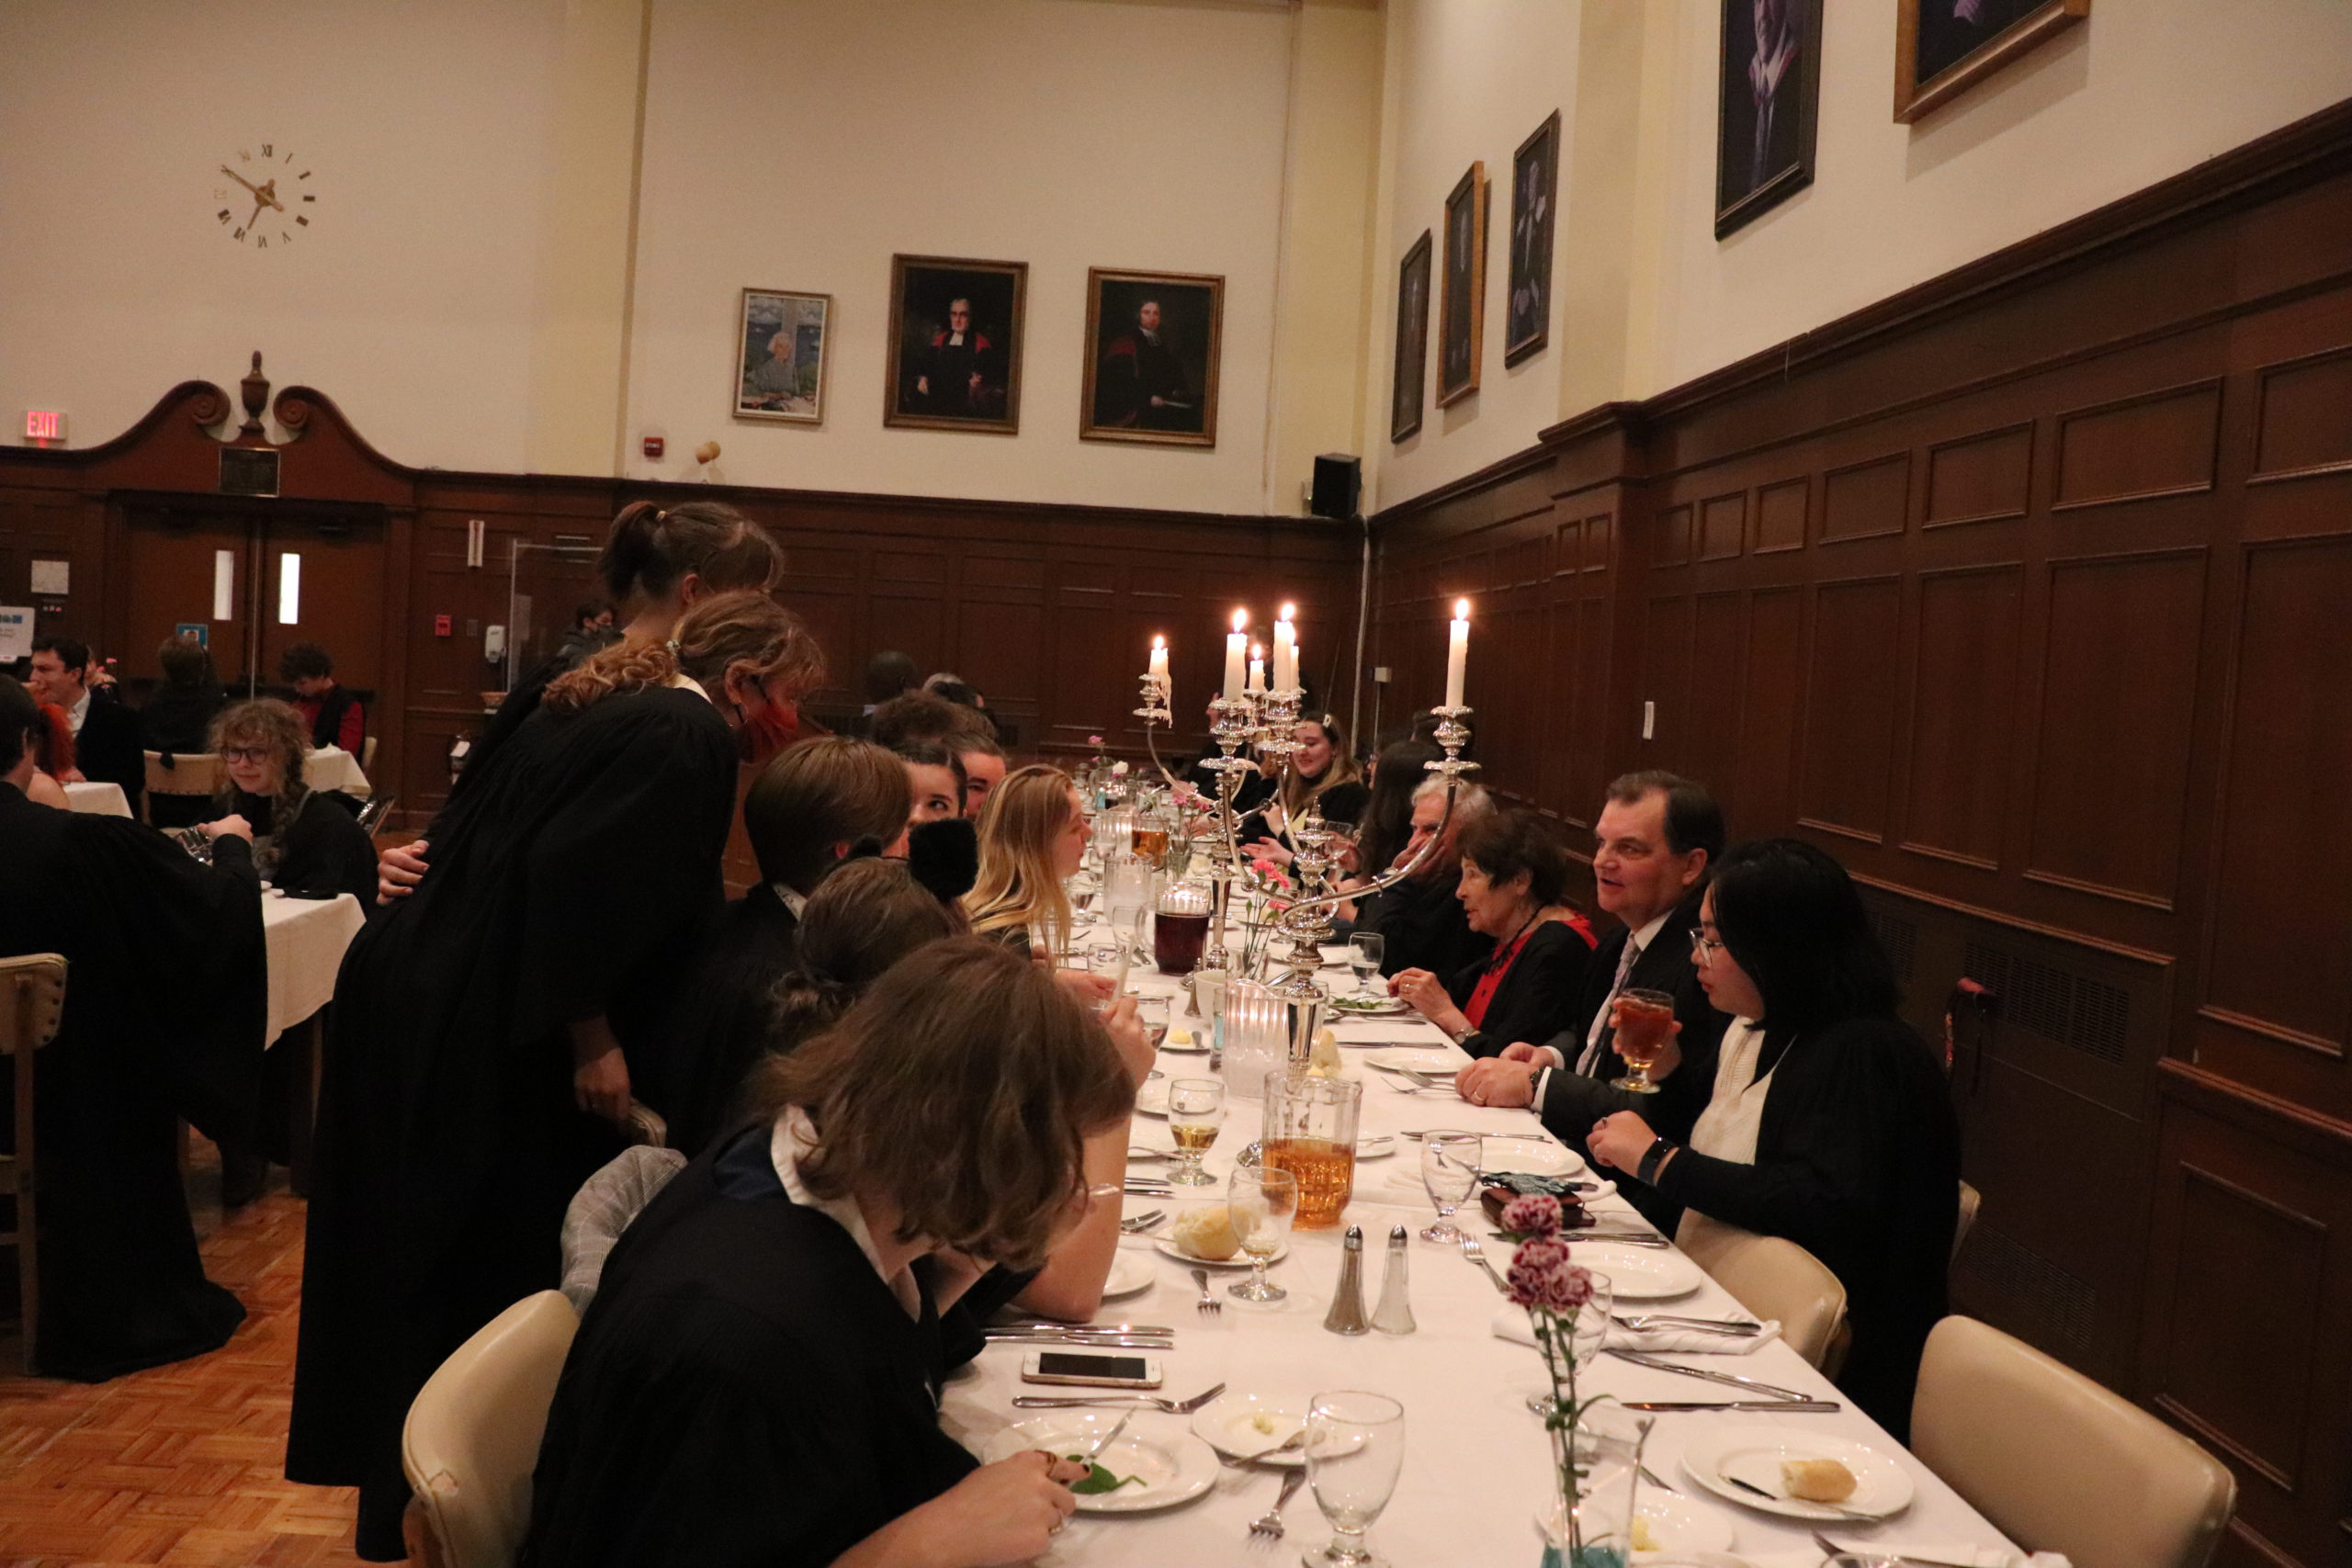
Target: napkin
1512, 1323
1942, 1552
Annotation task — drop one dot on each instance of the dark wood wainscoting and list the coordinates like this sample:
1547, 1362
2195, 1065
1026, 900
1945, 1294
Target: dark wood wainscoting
2024, 593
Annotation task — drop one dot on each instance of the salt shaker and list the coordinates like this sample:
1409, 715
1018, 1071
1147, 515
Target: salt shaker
1346, 1316
1395, 1311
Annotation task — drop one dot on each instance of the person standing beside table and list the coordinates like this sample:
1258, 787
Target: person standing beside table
1831, 1123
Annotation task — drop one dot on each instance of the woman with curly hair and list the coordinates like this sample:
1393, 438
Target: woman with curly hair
481, 1061
306, 841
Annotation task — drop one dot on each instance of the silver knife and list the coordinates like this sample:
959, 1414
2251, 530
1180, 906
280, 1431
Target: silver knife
1657, 1364
1790, 1407
1109, 1328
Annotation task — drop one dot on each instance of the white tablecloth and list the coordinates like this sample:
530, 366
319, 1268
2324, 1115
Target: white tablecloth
99, 799
306, 938
331, 767
1477, 1466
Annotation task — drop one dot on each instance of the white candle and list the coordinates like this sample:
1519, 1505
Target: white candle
1236, 646
1287, 650
1158, 671
1257, 667
1457, 652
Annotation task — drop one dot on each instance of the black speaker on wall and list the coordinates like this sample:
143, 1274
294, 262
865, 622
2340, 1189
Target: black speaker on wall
1338, 484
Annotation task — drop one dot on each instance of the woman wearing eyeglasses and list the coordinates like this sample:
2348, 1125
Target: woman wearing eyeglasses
1830, 1123
306, 841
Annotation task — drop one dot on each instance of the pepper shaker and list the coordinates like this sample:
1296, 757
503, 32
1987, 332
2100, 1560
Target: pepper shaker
1346, 1316
1395, 1311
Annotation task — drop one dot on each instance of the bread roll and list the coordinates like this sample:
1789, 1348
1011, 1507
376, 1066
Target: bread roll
1206, 1232
1817, 1480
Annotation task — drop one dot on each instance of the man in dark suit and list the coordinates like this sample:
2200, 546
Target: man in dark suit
106, 748
1657, 837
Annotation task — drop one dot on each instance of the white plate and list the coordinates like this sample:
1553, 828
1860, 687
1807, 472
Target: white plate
1638, 1274
1429, 1062
1376, 1146
1130, 1276
1227, 1424
1682, 1526
1533, 1156
1393, 1008
1203, 1040
1753, 1454
1175, 1466
1152, 1098
1167, 1244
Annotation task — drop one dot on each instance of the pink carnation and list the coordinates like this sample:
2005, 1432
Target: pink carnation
1535, 1214
1541, 1275
1095, 740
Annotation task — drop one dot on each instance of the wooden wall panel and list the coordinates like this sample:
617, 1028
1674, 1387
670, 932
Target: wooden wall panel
1963, 699
1780, 515
2305, 422
2159, 444
1980, 478
1772, 711
1851, 686
1723, 526
1867, 500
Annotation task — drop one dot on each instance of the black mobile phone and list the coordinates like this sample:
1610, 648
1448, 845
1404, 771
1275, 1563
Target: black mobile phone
292, 892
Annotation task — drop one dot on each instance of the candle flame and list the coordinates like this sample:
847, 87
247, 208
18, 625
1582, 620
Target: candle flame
1462, 609
1158, 642
1290, 612
1240, 619
1256, 651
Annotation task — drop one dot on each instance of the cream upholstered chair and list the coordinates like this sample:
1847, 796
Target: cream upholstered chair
1774, 1277
368, 757
32, 1004
472, 1437
2058, 1462
1969, 1200
192, 774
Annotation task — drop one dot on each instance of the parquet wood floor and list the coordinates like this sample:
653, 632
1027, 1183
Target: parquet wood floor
183, 1465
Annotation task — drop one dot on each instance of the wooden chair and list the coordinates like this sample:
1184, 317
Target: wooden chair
471, 1438
368, 757
32, 1002
1774, 1277
193, 775
2059, 1463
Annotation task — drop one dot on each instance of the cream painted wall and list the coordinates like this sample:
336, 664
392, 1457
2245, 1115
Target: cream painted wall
797, 144
410, 298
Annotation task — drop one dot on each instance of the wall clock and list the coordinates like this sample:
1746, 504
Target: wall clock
265, 196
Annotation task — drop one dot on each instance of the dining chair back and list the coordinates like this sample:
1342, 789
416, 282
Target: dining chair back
193, 775
472, 1437
1969, 1200
1775, 1279
2057, 1462
368, 757
32, 1004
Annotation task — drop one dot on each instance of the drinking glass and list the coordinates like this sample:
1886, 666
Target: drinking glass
1644, 1022
1261, 1200
1311, 1131
1355, 1447
1181, 928
1366, 950
1195, 1113
1450, 1166
1126, 893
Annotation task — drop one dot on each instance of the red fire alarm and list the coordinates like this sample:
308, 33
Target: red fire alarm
653, 445
440, 626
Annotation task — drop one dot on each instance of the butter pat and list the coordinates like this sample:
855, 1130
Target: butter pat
1323, 1057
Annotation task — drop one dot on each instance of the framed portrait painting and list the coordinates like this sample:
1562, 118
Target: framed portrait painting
1152, 340
1768, 97
1535, 184
954, 343
1462, 309
780, 356
1943, 48
1412, 340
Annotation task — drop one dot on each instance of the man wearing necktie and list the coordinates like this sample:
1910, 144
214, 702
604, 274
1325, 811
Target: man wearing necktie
1657, 837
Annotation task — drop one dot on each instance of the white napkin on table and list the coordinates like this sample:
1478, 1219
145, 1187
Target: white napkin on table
1944, 1551
1512, 1323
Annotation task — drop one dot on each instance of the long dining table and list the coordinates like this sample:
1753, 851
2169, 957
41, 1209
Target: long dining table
1478, 1466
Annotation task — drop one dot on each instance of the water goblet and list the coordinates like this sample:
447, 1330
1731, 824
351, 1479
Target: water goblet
1354, 1449
1260, 1201
1195, 1114
1366, 950
1450, 1166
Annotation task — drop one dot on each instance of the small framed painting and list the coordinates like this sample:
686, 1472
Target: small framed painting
955, 344
1462, 314
780, 357
1412, 340
1151, 357
1770, 95
1534, 183
1943, 48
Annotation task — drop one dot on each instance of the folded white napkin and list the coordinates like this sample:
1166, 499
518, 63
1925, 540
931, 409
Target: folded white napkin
1512, 1323
1942, 1552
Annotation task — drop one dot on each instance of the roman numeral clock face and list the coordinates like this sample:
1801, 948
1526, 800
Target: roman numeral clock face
265, 196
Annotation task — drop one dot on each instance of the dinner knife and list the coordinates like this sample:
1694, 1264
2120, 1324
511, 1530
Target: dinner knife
1657, 1364
1792, 1406
1112, 1329
1081, 1339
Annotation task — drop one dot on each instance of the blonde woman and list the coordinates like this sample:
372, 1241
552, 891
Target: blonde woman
1032, 837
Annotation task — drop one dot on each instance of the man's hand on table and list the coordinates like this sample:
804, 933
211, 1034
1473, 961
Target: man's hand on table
1507, 1079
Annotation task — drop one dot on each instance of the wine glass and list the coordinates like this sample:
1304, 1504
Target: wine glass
1366, 950
1354, 1449
1260, 1201
1449, 1165
1644, 1024
1195, 1113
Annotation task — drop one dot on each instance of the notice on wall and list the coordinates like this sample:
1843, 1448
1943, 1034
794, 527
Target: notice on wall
53, 576
15, 632
200, 631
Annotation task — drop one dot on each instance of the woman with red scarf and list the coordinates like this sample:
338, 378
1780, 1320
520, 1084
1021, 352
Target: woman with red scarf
1513, 871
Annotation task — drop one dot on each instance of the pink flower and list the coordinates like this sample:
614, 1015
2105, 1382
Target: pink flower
1262, 867
1095, 740
1535, 1214
1542, 1277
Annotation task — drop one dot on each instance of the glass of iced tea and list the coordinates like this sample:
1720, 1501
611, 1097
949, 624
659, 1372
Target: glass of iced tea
1644, 1024
1195, 1113
1311, 1131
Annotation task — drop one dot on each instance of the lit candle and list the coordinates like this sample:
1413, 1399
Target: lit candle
1257, 667
1158, 671
1287, 650
1237, 645
1457, 652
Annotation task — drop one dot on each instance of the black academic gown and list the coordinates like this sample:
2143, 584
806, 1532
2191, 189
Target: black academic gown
165, 1003
744, 1391
723, 1021
107, 749
575, 878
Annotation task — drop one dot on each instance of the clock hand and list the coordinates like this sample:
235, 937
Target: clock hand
268, 194
255, 218
239, 178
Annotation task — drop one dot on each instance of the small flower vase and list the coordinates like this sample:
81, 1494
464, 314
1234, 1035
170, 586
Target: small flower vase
1608, 1460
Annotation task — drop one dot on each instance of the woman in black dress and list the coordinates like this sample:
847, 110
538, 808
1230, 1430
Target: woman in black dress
1830, 1125
307, 842
478, 1066
1323, 774
758, 1381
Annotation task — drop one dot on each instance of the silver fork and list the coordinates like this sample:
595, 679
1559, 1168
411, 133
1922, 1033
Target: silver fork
1209, 1305
1475, 1251
1268, 1526
1645, 1323
1143, 1222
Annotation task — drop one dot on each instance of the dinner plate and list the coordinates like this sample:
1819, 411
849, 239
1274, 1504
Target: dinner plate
1174, 1466
1753, 1454
1200, 1043
1428, 1061
1247, 1425
1534, 1156
1167, 1244
1376, 1145
1637, 1274
1131, 1275
1152, 1098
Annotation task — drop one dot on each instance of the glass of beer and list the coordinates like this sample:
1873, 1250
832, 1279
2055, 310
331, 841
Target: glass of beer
1311, 1131
1179, 931
1644, 1024
1262, 1203
1196, 1114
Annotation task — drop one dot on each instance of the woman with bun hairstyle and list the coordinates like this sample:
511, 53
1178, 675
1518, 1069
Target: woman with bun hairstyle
481, 1061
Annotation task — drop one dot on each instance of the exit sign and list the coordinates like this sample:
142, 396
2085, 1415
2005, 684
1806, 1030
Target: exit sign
44, 427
